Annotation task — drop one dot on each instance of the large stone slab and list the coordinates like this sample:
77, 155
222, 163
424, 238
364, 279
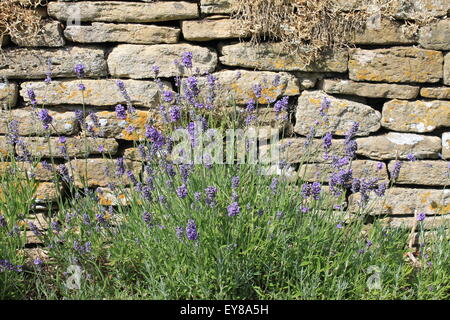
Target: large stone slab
396, 145
341, 115
406, 201
100, 32
446, 145
132, 128
216, 6
5, 148
23, 63
416, 116
47, 192
436, 36
414, 9
296, 150
423, 172
136, 61
97, 93
50, 35
382, 32
211, 29
32, 170
362, 169
115, 11
8, 94
237, 86
370, 90
64, 123
273, 57
447, 69
396, 64
76, 147
100, 172
436, 93
429, 223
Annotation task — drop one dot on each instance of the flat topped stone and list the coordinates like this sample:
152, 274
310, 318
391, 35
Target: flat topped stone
115, 11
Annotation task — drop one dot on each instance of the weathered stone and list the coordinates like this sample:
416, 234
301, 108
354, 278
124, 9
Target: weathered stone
295, 150
132, 128
362, 169
416, 9
4, 147
416, 116
100, 32
342, 114
397, 64
133, 154
47, 192
24, 63
136, 61
101, 172
211, 29
273, 57
446, 145
114, 11
370, 90
108, 197
396, 145
76, 147
436, 93
216, 6
382, 32
49, 36
436, 36
236, 86
29, 124
8, 94
32, 170
97, 93
405, 201
447, 69
424, 172
429, 223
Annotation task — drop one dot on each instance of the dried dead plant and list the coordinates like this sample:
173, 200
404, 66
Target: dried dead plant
314, 26
20, 18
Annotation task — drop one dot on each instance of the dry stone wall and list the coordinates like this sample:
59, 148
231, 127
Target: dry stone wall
396, 86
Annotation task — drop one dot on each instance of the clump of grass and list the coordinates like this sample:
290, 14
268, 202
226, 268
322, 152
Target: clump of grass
19, 18
314, 27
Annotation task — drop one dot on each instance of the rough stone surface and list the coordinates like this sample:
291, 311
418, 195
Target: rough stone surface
237, 86
404, 201
136, 61
4, 147
446, 145
424, 172
132, 128
115, 11
416, 116
428, 224
76, 147
50, 36
97, 93
394, 145
410, 10
436, 93
382, 32
294, 150
35, 170
342, 114
108, 197
273, 57
370, 90
216, 6
447, 69
64, 123
126, 33
436, 36
101, 172
26, 63
362, 169
47, 192
8, 95
396, 64
211, 29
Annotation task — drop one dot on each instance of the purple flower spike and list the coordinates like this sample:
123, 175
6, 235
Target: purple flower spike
45, 118
191, 230
121, 112
233, 209
79, 70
